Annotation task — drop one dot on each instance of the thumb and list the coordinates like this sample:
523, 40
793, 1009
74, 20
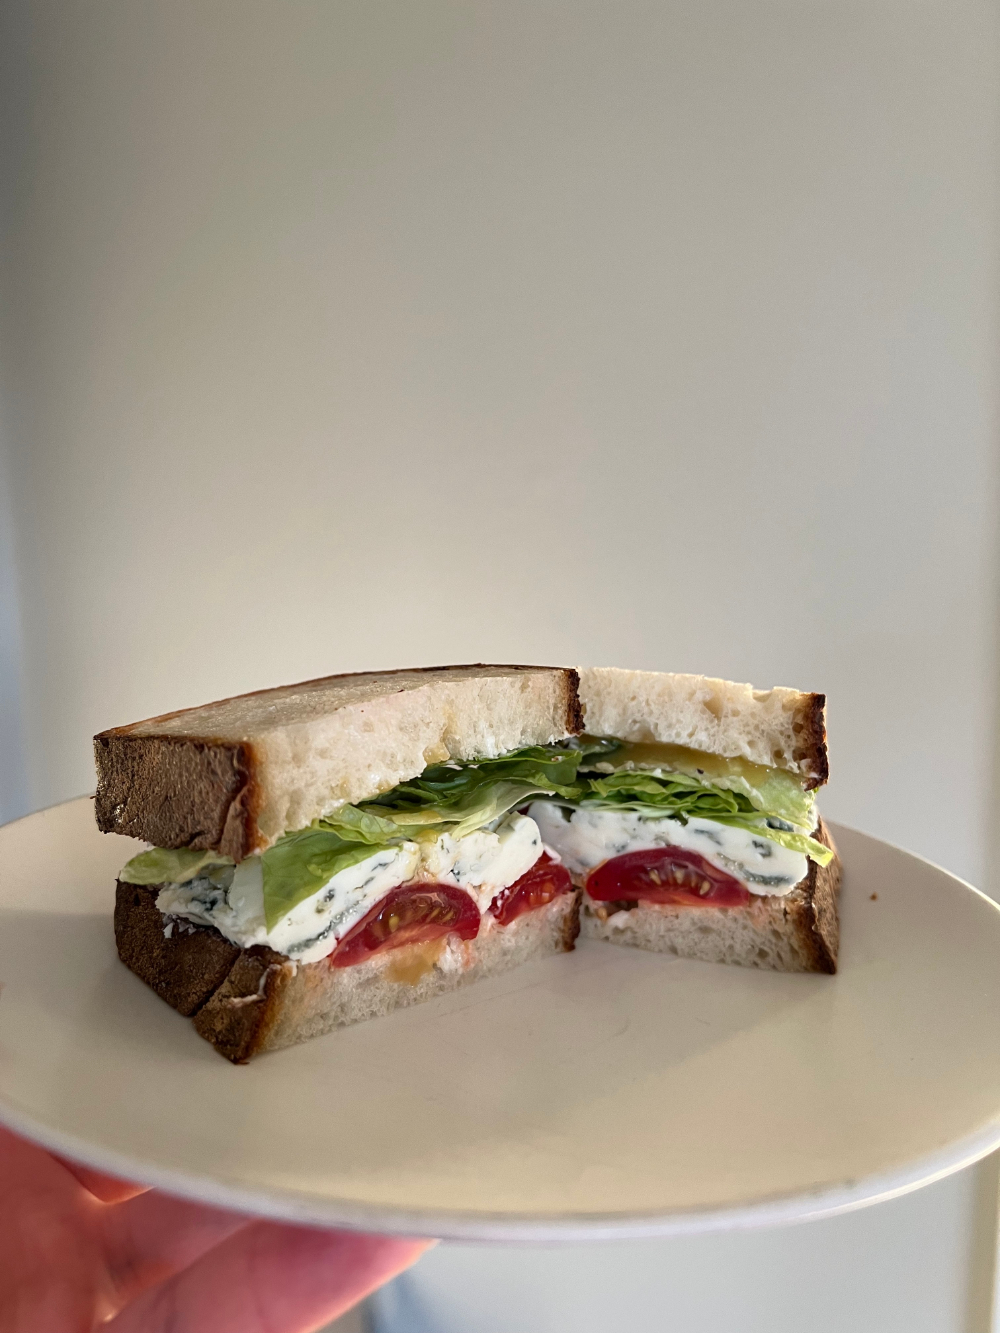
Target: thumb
269, 1278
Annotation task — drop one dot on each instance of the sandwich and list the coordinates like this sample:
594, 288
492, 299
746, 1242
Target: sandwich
325, 853
692, 827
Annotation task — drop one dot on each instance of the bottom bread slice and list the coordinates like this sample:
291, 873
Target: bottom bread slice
246, 1001
799, 932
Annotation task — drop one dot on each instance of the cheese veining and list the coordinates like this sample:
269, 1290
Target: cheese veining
591, 836
482, 863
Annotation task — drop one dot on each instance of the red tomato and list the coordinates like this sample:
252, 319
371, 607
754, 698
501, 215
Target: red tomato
665, 875
411, 914
544, 881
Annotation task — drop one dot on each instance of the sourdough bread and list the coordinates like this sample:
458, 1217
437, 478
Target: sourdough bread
237, 774
795, 933
780, 727
246, 1001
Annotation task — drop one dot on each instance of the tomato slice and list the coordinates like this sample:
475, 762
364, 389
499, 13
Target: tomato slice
411, 914
544, 881
665, 875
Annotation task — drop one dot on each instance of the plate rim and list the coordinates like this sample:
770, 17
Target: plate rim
297, 1207
294, 1207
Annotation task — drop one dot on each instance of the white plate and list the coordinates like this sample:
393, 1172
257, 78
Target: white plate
602, 1093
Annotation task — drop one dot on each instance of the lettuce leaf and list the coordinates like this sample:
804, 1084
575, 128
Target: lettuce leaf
683, 797
299, 864
445, 798
449, 787
791, 838
353, 823
779, 794
164, 865
477, 807
461, 798
674, 793
770, 790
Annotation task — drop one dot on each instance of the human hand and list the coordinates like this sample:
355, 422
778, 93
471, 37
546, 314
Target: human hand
78, 1249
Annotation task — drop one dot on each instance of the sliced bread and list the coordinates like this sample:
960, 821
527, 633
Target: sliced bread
799, 932
246, 1001
779, 727
237, 774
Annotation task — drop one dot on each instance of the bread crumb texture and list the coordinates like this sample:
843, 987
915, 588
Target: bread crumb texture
799, 932
245, 1001
239, 773
780, 727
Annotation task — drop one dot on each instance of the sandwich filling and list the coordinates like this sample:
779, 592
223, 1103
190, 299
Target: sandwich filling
453, 881
468, 844
660, 823
445, 853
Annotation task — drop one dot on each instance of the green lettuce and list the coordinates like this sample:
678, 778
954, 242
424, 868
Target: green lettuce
773, 791
354, 823
450, 789
460, 798
779, 794
164, 865
444, 799
683, 797
299, 864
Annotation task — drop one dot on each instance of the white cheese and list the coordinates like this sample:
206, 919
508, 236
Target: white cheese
591, 836
481, 864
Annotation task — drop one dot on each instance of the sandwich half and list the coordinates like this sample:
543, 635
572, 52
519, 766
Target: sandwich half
327, 852
692, 826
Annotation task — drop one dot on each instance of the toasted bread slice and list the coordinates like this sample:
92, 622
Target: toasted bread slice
799, 932
781, 728
237, 774
245, 1001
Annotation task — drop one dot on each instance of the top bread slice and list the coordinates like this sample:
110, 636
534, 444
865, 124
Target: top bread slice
780, 727
237, 774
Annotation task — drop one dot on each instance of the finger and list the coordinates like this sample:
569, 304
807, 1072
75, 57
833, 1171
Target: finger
24, 1164
135, 1244
19, 1157
51, 1270
270, 1279
153, 1236
109, 1189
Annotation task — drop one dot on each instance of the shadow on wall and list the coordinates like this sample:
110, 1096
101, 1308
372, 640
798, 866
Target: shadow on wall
13, 784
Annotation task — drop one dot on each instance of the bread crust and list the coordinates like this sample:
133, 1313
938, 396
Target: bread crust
574, 710
174, 791
811, 752
246, 1001
186, 967
799, 932
199, 790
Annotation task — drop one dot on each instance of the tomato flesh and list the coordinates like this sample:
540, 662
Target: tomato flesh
665, 875
411, 914
538, 886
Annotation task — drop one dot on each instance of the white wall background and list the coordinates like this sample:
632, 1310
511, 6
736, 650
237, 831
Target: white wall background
340, 335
